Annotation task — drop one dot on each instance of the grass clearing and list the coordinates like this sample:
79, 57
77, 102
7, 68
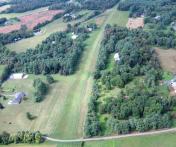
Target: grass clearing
12, 15
119, 18
167, 59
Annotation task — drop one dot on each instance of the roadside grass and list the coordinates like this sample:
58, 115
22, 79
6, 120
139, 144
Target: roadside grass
163, 140
53, 27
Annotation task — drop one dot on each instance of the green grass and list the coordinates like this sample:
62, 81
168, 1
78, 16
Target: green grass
12, 15
55, 26
167, 76
164, 140
119, 18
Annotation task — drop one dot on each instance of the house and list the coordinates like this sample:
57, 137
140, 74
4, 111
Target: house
18, 76
90, 29
116, 57
17, 99
74, 36
173, 25
173, 86
157, 17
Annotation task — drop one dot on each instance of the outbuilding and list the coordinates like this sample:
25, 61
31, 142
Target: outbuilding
18, 76
116, 57
17, 99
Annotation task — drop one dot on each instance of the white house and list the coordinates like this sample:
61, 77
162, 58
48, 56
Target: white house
18, 76
117, 57
74, 36
157, 17
90, 29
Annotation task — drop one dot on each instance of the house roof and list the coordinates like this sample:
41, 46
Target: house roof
116, 57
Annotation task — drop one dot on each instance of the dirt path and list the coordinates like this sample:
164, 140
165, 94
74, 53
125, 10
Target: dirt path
112, 137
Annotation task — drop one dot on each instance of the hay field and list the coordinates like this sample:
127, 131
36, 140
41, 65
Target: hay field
134, 23
167, 59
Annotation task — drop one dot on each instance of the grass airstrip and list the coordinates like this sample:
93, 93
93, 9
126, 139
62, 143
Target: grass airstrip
62, 113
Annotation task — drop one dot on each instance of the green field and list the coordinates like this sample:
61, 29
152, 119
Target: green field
32, 42
12, 15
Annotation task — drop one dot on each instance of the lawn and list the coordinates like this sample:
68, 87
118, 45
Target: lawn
55, 26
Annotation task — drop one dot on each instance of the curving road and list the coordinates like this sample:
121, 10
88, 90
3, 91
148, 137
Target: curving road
110, 137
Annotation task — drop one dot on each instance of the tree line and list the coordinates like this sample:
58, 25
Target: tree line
21, 137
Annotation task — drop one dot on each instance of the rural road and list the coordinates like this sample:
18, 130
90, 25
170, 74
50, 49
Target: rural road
110, 137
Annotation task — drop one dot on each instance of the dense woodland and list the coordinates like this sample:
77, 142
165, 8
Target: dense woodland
21, 137
160, 13
57, 54
141, 107
98, 4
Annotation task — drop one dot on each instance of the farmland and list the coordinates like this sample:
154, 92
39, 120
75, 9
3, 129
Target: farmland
31, 20
167, 58
3, 8
12, 15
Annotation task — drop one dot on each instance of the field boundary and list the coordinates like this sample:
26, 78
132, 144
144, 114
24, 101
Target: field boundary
110, 137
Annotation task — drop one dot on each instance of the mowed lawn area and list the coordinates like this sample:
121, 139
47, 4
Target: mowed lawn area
55, 26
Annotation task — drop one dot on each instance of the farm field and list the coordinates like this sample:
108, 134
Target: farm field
12, 15
167, 59
32, 42
31, 20
3, 8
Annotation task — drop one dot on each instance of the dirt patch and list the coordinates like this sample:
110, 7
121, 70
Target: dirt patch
134, 23
31, 20
167, 59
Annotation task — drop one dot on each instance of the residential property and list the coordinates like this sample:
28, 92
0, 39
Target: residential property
157, 17
17, 99
74, 36
18, 76
116, 57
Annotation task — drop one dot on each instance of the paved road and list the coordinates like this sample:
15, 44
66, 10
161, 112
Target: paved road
111, 137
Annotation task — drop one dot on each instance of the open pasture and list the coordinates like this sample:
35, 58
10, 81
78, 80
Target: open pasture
134, 23
31, 20
167, 59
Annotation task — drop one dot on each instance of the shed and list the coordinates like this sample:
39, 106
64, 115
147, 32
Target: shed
116, 57
17, 99
17, 76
